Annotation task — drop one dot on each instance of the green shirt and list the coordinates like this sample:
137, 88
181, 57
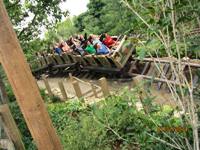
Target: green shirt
90, 49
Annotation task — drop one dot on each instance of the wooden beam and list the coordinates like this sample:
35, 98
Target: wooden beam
104, 87
142, 94
77, 89
3, 95
6, 144
11, 127
158, 79
94, 90
173, 60
62, 90
24, 87
46, 83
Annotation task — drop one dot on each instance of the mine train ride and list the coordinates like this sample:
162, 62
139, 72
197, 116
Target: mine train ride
121, 63
115, 63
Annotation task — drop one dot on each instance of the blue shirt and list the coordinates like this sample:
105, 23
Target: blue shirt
103, 49
58, 50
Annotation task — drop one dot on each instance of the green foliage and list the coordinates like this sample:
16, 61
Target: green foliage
157, 17
115, 18
113, 123
105, 16
62, 31
150, 48
28, 17
117, 124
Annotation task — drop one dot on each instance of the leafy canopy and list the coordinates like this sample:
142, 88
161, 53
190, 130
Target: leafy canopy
31, 17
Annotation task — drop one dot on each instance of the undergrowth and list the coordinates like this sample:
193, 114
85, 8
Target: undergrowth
114, 123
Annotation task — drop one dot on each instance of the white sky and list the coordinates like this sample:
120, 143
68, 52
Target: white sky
75, 7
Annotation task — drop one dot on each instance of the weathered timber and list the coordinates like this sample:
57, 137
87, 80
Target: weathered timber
62, 90
46, 83
158, 79
94, 90
174, 60
77, 89
11, 127
24, 87
104, 86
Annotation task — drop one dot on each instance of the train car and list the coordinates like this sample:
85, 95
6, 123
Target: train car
114, 63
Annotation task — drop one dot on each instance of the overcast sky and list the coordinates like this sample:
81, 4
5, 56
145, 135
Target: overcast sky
75, 7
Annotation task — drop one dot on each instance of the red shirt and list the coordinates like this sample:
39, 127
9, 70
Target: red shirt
108, 41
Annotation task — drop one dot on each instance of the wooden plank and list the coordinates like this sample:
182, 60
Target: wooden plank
195, 80
71, 77
11, 127
72, 59
79, 59
116, 61
62, 89
94, 90
84, 82
158, 79
6, 144
43, 62
127, 55
173, 60
58, 59
51, 60
66, 58
104, 61
164, 74
24, 87
3, 94
88, 92
91, 60
104, 86
134, 66
77, 89
147, 65
137, 81
46, 83
151, 70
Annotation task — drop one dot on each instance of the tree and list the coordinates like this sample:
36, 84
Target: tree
61, 31
106, 16
29, 17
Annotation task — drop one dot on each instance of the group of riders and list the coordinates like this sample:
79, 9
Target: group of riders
81, 45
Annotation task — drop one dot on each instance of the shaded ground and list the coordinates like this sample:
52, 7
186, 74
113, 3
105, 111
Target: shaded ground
161, 96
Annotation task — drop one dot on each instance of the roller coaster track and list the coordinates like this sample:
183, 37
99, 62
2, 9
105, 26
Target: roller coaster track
121, 65
167, 70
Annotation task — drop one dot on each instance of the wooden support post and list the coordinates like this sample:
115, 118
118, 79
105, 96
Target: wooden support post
11, 127
77, 89
138, 81
104, 86
62, 90
6, 144
24, 87
71, 77
46, 83
94, 90
3, 95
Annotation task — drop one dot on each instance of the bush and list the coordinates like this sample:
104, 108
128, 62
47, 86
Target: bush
113, 123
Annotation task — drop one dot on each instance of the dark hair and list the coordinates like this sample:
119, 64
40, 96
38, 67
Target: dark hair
95, 46
90, 39
102, 37
85, 36
69, 42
